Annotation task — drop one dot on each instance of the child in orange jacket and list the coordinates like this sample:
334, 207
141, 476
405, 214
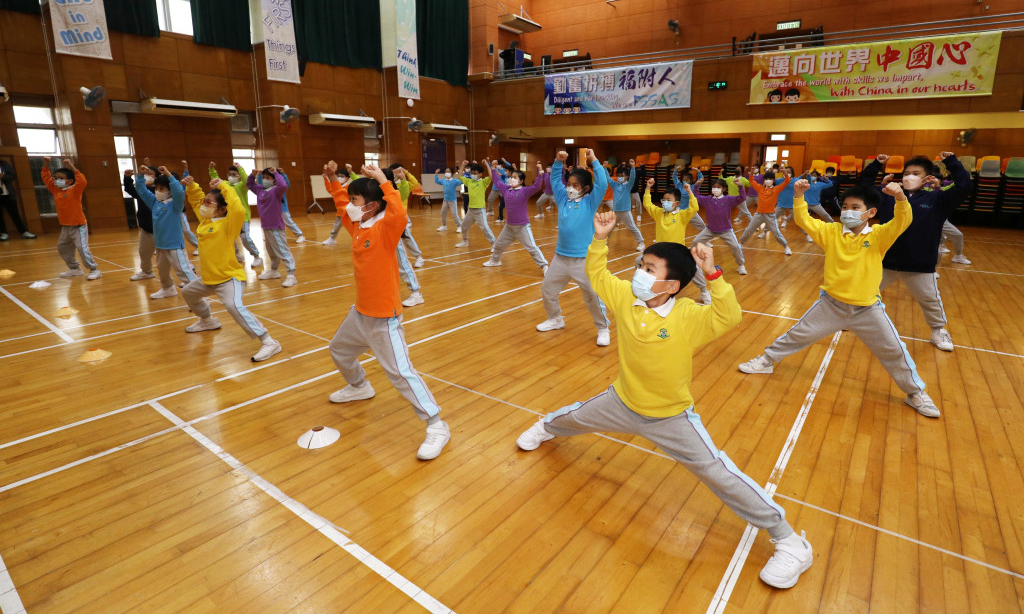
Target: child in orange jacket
767, 197
67, 184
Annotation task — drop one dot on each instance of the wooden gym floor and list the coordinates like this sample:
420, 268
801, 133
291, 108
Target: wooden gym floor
167, 478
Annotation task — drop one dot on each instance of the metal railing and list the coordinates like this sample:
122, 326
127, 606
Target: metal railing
1007, 22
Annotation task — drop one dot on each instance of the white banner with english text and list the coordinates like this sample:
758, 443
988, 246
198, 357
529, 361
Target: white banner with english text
80, 28
279, 40
407, 55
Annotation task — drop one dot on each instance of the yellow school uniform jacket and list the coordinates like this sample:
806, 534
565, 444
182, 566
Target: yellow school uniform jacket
671, 226
217, 263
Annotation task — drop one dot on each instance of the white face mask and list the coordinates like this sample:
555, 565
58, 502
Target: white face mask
475, 177
573, 193
233, 179
769, 183
642, 285
716, 191
60, 183
354, 213
851, 219
447, 175
207, 212
668, 205
513, 182
912, 182
163, 195
268, 183
622, 179
150, 180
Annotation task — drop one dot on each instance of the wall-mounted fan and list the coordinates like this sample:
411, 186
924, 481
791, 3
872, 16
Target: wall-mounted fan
966, 136
289, 114
415, 125
93, 97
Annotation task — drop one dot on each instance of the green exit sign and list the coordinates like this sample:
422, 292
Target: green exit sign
717, 85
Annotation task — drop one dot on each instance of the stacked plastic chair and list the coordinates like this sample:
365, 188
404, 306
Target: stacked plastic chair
1012, 204
717, 166
987, 188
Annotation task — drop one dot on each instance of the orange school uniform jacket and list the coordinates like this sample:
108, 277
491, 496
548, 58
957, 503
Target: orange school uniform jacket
69, 201
767, 198
375, 260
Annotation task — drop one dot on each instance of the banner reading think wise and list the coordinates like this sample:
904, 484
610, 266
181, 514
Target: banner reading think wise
939, 66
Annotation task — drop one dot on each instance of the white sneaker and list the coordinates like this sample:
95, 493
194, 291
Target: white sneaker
549, 207
416, 298
761, 364
534, 436
419, 262
165, 293
256, 262
270, 274
539, 216
742, 270
268, 349
961, 260
141, 275
196, 253
330, 241
301, 239
638, 218
462, 244
809, 239
202, 324
353, 393
499, 221
923, 404
442, 228
943, 249
787, 251
760, 235
492, 263
604, 337
942, 339
289, 281
640, 247
792, 557
94, 274
551, 324
737, 220
458, 229
783, 224
437, 436
544, 270
72, 273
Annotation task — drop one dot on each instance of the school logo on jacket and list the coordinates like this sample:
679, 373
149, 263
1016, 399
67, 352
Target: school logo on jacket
367, 244
866, 244
663, 333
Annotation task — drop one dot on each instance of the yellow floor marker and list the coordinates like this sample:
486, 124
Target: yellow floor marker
5, 273
94, 355
66, 312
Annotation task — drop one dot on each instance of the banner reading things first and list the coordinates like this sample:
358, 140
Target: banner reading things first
642, 88
938, 66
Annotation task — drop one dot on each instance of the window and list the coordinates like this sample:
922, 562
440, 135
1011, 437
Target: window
247, 158
523, 161
38, 134
125, 157
372, 158
771, 155
175, 15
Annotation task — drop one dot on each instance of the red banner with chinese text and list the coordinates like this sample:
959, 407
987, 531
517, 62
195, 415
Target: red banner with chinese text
939, 66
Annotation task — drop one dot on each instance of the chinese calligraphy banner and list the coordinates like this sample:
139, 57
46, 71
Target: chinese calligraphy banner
938, 66
651, 87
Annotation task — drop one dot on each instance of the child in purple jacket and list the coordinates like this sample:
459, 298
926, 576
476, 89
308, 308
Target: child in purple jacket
269, 187
717, 212
517, 200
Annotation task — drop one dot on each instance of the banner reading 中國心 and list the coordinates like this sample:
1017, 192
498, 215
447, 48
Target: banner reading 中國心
936, 66
637, 88
407, 52
279, 40
80, 28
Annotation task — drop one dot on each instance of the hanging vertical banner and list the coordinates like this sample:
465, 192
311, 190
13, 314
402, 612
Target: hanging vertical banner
80, 28
279, 40
407, 54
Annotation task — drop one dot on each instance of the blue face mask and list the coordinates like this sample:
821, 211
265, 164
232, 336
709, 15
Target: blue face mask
668, 205
641, 285
268, 183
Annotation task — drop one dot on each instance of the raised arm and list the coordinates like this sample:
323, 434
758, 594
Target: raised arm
600, 180
962, 184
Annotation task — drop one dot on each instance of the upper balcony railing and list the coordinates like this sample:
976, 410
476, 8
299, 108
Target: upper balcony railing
1007, 22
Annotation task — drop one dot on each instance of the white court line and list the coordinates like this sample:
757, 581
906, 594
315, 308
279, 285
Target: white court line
46, 250
63, 335
119, 267
10, 602
319, 523
732, 573
903, 537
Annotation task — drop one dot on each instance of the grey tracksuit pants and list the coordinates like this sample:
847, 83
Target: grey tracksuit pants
74, 238
561, 271
176, 260
187, 229
524, 235
684, 438
278, 250
290, 223
626, 219
925, 290
405, 269
544, 198
476, 216
871, 325
230, 293
147, 249
337, 226
768, 219
953, 233
247, 241
730, 240
453, 206
410, 243
386, 338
